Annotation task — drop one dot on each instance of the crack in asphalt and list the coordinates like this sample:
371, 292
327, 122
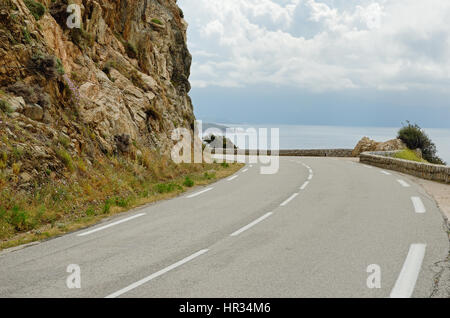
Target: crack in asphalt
441, 280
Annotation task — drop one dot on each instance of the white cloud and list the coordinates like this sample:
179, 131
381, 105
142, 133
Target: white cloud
395, 45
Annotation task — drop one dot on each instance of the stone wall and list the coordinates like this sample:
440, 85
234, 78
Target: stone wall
384, 159
294, 152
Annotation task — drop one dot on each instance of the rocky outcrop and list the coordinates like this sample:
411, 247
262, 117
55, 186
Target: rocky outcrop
367, 144
117, 83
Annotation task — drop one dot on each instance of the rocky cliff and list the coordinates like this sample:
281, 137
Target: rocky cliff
115, 85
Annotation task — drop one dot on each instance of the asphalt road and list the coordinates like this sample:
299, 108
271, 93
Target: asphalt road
252, 235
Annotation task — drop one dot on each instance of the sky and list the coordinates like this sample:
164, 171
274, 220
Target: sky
320, 62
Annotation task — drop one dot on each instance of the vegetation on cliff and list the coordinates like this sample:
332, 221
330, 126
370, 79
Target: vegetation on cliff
415, 138
87, 114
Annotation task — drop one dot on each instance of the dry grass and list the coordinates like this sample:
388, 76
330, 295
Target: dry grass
91, 193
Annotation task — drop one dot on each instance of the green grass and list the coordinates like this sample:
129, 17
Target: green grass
5, 107
188, 182
36, 8
65, 157
84, 196
26, 35
410, 155
157, 21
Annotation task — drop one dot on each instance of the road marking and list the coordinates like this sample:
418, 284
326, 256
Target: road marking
232, 178
303, 187
403, 183
386, 173
157, 274
418, 205
310, 177
245, 228
198, 193
406, 281
245, 170
251, 166
367, 166
292, 197
111, 224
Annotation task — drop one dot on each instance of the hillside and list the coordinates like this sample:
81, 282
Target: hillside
86, 114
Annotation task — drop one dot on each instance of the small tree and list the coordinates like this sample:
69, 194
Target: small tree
415, 138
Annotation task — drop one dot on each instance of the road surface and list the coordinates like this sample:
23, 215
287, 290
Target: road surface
320, 227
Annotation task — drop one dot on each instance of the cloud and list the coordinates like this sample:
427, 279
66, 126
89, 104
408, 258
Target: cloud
315, 45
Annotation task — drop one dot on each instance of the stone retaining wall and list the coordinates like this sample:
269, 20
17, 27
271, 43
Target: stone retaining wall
293, 152
422, 170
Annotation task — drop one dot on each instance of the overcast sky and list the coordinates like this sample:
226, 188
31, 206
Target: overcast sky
336, 62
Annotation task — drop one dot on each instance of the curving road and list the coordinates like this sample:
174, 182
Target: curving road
311, 230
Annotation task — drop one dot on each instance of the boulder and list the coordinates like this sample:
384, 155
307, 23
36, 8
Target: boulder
367, 144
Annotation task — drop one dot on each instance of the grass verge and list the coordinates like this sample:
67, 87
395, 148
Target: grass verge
410, 155
91, 192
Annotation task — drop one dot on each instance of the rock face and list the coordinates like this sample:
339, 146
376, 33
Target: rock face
367, 144
120, 79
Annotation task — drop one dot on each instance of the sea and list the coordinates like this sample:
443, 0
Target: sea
323, 137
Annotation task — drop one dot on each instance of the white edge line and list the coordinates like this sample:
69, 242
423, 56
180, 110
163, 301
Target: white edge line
303, 187
419, 207
292, 197
386, 173
157, 274
245, 228
406, 281
111, 224
245, 170
403, 183
232, 178
198, 193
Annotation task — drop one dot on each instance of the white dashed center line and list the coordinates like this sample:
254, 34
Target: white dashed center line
418, 205
292, 197
406, 281
403, 183
245, 228
303, 187
111, 224
198, 193
157, 274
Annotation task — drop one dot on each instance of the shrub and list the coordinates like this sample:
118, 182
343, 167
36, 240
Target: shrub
209, 176
26, 35
188, 182
224, 164
131, 50
90, 211
19, 218
36, 8
107, 206
64, 156
81, 38
45, 64
415, 137
122, 202
5, 107
166, 187
60, 67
